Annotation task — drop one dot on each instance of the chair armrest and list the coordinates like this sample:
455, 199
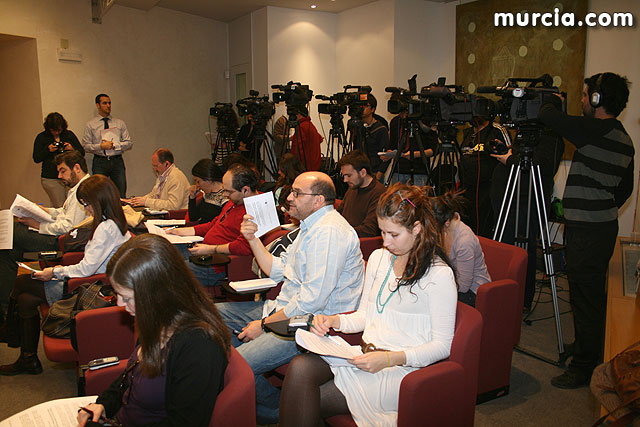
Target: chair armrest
99, 380
71, 258
433, 390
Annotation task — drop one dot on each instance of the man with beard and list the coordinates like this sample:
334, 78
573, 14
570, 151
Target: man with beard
600, 180
72, 170
322, 273
171, 190
360, 201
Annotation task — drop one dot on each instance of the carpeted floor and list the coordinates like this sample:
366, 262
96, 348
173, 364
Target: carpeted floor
532, 401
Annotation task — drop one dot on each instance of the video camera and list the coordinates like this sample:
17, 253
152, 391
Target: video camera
520, 105
292, 94
258, 106
353, 97
226, 118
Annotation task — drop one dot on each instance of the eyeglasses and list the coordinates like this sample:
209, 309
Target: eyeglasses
296, 194
83, 203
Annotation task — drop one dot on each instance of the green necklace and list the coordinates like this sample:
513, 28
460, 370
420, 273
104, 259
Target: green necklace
379, 304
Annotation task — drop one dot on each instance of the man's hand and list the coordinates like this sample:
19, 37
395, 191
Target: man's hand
202, 250
250, 332
502, 158
44, 275
30, 222
136, 201
371, 362
106, 145
248, 228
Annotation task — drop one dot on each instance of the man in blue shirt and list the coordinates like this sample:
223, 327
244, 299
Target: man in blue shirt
322, 273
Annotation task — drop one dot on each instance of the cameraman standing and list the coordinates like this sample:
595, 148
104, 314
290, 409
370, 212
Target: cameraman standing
55, 139
599, 182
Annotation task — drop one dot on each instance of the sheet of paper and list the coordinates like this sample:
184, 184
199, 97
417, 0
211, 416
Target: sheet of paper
156, 211
154, 229
337, 362
166, 222
22, 207
26, 267
327, 346
60, 412
254, 284
6, 229
263, 210
113, 135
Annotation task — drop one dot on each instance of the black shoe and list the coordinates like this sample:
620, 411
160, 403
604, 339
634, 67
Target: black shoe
571, 379
24, 365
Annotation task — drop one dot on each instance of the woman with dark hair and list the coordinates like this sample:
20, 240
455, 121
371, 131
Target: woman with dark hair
461, 246
175, 374
407, 313
206, 195
101, 199
55, 139
289, 168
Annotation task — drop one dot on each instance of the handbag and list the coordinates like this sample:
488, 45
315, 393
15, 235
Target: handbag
61, 315
621, 376
76, 239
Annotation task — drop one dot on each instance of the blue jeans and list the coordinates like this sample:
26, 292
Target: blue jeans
206, 275
263, 354
112, 167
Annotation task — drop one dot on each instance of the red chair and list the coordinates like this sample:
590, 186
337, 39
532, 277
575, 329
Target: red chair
369, 244
239, 268
235, 405
500, 304
177, 214
442, 394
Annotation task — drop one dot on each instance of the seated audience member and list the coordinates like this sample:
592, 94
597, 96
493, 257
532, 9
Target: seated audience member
101, 199
306, 140
55, 139
322, 273
461, 246
72, 170
174, 376
171, 189
222, 235
360, 201
207, 178
288, 170
402, 332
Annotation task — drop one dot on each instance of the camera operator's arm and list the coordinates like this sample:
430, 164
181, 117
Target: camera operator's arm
625, 188
577, 129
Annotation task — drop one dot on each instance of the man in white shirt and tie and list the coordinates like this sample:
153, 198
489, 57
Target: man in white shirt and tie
107, 137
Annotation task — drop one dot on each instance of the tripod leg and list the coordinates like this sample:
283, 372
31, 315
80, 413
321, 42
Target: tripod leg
503, 216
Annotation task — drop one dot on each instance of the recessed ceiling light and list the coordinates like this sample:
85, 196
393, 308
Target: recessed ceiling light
313, 6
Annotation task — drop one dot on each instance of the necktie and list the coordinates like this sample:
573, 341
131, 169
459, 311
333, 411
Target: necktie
106, 122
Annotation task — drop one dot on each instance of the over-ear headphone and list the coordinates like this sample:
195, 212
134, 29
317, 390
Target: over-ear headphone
595, 97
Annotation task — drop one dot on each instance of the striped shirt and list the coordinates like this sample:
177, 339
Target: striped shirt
601, 175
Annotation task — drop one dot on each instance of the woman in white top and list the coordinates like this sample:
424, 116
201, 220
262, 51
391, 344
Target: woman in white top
101, 199
407, 313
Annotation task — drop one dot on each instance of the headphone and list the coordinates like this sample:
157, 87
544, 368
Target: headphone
595, 98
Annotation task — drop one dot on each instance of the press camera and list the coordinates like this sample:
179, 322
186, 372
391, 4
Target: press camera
258, 106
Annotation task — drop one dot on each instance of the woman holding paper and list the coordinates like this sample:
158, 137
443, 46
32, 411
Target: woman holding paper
407, 313
101, 199
174, 376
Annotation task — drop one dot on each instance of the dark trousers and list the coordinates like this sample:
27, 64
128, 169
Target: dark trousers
24, 240
588, 252
112, 167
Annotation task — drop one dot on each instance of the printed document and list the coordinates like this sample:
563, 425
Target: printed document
6, 229
154, 229
55, 413
263, 210
327, 346
22, 207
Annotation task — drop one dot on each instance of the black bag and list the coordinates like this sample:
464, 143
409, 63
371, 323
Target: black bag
61, 315
76, 239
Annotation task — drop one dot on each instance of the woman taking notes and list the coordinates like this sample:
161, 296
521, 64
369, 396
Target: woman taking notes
407, 313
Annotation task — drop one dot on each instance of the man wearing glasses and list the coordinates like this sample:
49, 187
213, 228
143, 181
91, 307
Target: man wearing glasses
222, 235
322, 273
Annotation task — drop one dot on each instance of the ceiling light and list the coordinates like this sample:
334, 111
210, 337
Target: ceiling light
313, 6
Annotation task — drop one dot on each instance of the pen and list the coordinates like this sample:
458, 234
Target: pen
170, 228
310, 325
88, 411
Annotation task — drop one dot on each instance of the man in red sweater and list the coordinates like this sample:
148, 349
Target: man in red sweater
359, 204
222, 235
306, 140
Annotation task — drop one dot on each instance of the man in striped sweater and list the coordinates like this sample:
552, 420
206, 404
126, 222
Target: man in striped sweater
600, 181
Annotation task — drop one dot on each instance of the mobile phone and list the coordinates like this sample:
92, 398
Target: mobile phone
103, 362
301, 321
48, 254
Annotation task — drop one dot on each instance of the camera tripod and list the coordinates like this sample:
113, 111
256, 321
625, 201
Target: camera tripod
528, 138
410, 130
448, 155
337, 144
259, 138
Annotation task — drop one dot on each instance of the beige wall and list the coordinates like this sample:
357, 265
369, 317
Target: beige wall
162, 69
20, 119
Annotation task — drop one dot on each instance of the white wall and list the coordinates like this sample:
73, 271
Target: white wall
162, 69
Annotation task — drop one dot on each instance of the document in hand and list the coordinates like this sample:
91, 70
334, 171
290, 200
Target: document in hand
22, 207
253, 285
154, 229
6, 229
327, 346
263, 210
60, 412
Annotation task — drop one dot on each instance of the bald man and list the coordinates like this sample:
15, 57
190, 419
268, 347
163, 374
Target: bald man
322, 273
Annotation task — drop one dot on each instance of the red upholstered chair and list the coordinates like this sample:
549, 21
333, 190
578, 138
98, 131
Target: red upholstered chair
369, 244
500, 304
235, 405
442, 394
177, 214
240, 266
